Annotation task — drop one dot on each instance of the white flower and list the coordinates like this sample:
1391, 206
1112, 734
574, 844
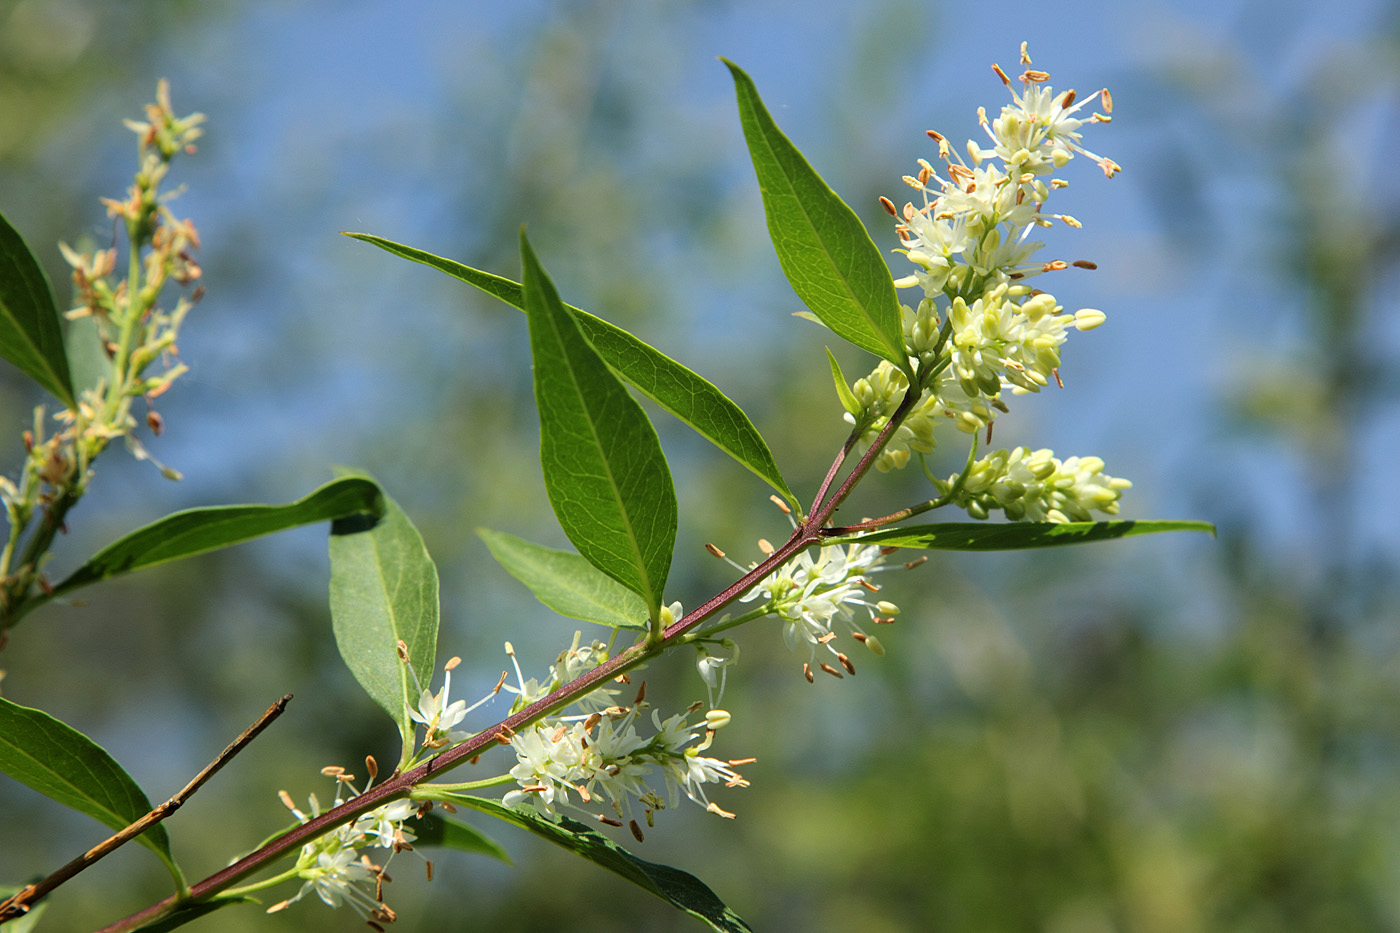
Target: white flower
384, 826
714, 669
438, 716
1034, 486
811, 594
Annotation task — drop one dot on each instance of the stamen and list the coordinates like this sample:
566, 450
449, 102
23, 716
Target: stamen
715, 809
888, 206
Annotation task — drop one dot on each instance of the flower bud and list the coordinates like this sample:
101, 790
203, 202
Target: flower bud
717, 719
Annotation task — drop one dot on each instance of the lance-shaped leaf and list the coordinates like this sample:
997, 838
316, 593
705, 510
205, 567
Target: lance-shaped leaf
824, 249
681, 889
566, 582
966, 536
604, 471
440, 832
31, 335
384, 590
61, 763
680, 391
195, 531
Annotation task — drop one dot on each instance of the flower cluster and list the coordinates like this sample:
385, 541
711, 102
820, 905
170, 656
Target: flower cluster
332, 866
1034, 486
980, 331
601, 757
813, 594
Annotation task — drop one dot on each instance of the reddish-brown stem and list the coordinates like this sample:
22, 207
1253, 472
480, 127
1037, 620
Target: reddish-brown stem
809, 532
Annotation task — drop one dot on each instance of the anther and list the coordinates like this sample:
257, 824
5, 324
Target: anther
608, 821
1084, 264
1002, 75
846, 663
765, 547
782, 506
829, 636
715, 809
916, 562
806, 672
934, 135
429, 863
888, 206
452, 663
714, 551
1107, 99
636, 831
623, 679
402, 650
332, 770
592, 721
499, 684
1038, 77
866, 584
559, 733
372, 767
831, 670
1067, 98
641, 694
1055, 265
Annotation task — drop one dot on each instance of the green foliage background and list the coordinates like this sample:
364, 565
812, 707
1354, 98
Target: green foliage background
1152, 735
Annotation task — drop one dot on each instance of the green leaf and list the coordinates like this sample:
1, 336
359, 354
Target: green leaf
27, 922
678, 390
440, 832
824, 249
566, 582
61, 763
384, 589
843, 390
604, 471
966, 536
681, 889
195, 531
183, 915
31, 334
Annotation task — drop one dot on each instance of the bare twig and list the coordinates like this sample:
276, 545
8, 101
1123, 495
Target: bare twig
20, 903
